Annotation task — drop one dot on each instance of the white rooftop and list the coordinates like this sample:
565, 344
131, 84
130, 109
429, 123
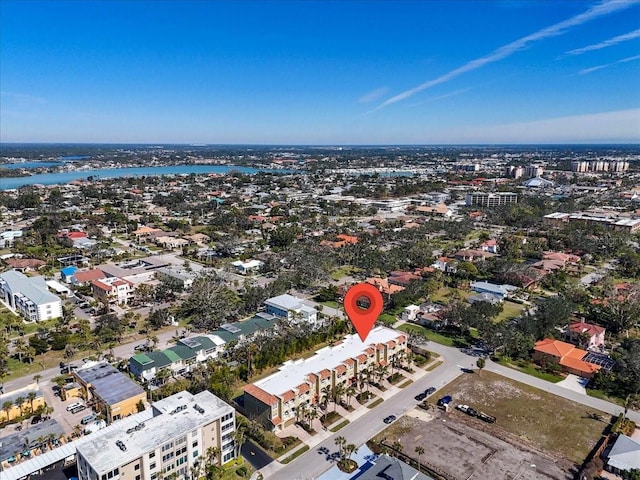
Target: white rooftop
285, 302
166, 424
294, 373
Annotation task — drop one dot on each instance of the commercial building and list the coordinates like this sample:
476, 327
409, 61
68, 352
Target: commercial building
292, 308
29, 296
484, 199
273, 400
613, 220
113, 393
177, 434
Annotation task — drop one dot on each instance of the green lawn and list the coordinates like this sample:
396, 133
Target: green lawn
531, 369
331, 304
433, 336
510, 310
343, 271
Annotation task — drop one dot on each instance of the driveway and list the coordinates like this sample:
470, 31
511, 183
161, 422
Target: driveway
575, 383
255, 455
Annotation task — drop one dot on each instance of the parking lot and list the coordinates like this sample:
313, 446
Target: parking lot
457, 450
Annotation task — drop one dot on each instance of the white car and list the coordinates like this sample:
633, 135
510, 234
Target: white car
74, 405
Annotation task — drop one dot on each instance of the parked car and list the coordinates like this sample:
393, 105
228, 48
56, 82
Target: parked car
143, 347
73, 405
77, 409
446, 400
390, 419
463, 408
36, 419
430, 391
88, 419
420, 396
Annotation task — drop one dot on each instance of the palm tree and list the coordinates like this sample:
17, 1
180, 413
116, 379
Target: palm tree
420, 451
31, 396
7, 406
480, 364
19, 403
313, 414
349, 450
326, 396
338, 391
340, 442
397, 446
37, 377
350, 392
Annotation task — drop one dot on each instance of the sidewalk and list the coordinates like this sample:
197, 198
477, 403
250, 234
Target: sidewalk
352, 416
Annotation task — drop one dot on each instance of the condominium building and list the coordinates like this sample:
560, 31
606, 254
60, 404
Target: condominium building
273, 400
29, 296
169, 441
533, 170
484, 199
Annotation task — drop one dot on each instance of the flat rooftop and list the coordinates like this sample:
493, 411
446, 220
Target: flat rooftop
165, 425
111, 385
294, 373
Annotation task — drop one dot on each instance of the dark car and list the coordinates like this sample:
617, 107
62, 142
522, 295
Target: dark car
36, 419
421, 396
472, 412
446, 400
390, 419
430, 391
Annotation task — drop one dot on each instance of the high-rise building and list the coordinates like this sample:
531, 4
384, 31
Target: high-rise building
483, 199
580, 166
533, 171
164, 442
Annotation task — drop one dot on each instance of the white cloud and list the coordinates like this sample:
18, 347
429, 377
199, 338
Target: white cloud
616, 126
606, 65
607, 43
599, 10
373, 95
440, 97
24, 97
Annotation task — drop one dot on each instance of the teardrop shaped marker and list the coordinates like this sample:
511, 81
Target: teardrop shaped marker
363, 319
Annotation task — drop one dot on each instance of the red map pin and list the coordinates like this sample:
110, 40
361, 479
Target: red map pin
363, 319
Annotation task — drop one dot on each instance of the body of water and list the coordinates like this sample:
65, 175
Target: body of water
71, 158
66, 177
14, 166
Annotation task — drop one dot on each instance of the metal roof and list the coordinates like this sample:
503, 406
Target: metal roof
109, 384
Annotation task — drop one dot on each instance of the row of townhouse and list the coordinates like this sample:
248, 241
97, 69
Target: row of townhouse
273, 400
178, 359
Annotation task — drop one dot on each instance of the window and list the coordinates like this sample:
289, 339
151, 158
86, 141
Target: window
137, 477
227, 457
154, 476
181, 440
152, 454
137, 467
194, 444
152, 466
195, 454
167, 446
227, 426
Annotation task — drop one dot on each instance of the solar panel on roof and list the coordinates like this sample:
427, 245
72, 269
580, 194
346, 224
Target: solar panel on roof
230, 328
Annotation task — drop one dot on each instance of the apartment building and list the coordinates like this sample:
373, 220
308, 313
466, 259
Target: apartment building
169, 441
272, 400
484, 199
29, 296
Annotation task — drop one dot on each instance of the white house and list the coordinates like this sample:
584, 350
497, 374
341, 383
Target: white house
247, 267
29, 296
7, 238
290, 307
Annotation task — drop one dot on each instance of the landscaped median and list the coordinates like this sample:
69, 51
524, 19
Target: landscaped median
342, 424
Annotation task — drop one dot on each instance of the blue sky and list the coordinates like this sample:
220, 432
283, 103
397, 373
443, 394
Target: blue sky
324, 72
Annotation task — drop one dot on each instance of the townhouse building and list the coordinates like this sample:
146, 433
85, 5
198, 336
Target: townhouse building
290, 307
113, 290
273, 400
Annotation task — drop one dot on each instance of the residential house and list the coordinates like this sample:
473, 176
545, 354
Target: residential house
250, 266
67, 273
8, 238
490, 246
439, 210
500, 291
182, 275
585, 335
290, 307
446, 265
112, 290
171, 243
29, 296
624, 456
402, 279
570, 358
25, 265
472, 255
384, 286
85, 277
113, 393
273, 400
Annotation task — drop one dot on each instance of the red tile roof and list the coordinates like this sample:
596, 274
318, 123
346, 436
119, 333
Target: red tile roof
88, 275
588, 328
276, 420
288, 395
341, 369
326, 373
349, 361
261, 395
303, 388
362, 358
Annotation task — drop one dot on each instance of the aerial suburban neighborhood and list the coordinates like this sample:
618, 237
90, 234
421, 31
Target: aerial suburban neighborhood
216, 299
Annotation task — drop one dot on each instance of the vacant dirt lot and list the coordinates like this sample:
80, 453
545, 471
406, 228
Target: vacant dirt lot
529, 415
537, 435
